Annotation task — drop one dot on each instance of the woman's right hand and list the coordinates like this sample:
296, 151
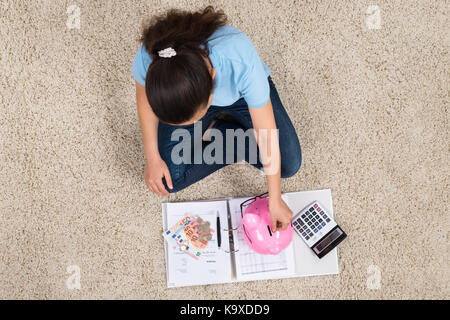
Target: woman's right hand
155, 170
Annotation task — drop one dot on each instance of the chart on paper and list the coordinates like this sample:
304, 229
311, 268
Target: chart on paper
254, 266
251, 262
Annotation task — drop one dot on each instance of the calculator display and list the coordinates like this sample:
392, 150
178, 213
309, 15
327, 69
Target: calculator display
328, 240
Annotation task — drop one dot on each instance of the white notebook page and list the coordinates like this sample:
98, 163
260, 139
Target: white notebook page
214, 265
307, 263
254, 266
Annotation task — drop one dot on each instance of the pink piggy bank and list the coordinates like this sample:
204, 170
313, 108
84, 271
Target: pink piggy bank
257, 232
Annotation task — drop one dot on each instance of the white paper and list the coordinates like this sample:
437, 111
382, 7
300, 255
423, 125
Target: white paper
306, 262
214, 265
297, 260
254, 266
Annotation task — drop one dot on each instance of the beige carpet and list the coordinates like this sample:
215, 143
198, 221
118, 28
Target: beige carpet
371, 109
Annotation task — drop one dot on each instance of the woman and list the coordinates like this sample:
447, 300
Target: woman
195, 74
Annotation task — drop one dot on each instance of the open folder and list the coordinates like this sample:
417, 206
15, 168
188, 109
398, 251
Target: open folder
234, 260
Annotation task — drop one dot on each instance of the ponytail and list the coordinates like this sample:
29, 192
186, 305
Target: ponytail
179, 86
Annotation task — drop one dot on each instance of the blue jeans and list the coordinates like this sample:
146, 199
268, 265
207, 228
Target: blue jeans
185, 174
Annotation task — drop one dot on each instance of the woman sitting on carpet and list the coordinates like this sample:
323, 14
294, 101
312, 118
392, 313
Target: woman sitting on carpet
199, 79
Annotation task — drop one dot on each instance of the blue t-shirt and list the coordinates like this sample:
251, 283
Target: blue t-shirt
239, 70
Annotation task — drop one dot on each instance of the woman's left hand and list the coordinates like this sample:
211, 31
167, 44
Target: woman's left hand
280, 214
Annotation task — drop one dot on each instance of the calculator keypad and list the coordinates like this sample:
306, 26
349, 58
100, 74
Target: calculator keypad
311, 221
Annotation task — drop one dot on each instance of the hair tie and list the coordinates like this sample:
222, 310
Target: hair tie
167, 53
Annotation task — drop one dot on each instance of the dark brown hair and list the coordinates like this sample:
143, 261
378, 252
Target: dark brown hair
180, 86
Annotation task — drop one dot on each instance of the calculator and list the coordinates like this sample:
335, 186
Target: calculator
318, 229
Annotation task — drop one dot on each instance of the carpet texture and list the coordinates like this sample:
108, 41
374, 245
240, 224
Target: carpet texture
366, 88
